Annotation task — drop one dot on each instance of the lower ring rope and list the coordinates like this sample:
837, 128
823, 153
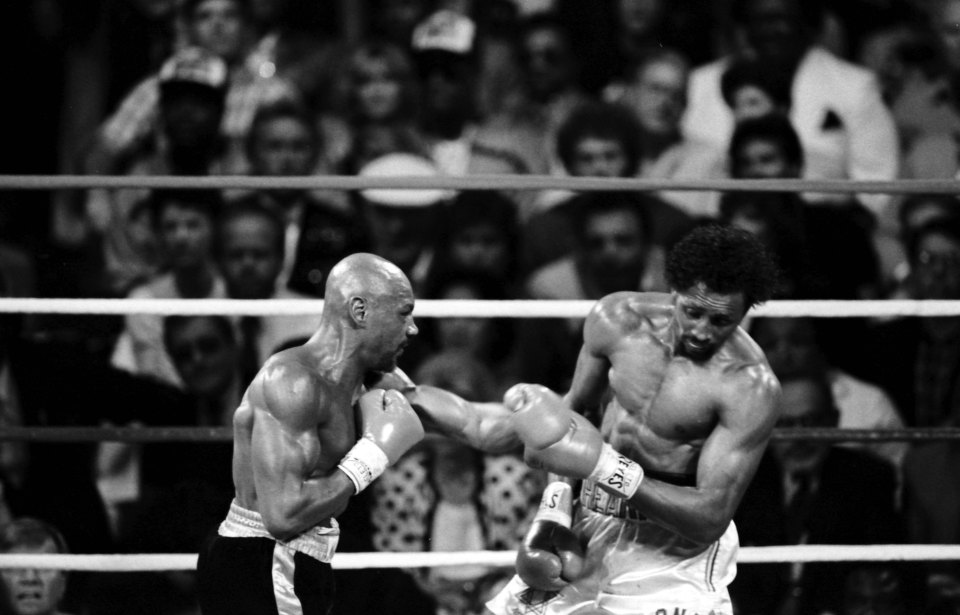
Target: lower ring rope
355, 561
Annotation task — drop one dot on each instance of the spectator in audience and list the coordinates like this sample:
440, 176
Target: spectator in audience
845, 129
809, 492
932, 508
490, 341
656, 91
403, 224
460, 141
446, 497
381, 105
754, 88
915, 359
32, 591
222, 28
919, 90
792, 347
597, 140
915, 212
481, 235
613, 253
192, 88
768, 147
879, 589
184, 223
250, 242
284, 141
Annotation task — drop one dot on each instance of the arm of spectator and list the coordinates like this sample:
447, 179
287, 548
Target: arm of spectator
874, 145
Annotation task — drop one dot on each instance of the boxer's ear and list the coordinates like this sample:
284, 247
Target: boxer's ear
359, 311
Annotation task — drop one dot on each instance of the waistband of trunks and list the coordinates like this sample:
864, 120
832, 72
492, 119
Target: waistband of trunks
320, 543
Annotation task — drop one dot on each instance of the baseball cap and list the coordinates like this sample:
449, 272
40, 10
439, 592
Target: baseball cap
402, 165
445, 31
193, 65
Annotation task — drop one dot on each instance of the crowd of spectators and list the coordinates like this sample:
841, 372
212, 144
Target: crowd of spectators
655, 89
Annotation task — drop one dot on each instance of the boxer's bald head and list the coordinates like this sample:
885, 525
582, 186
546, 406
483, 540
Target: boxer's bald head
373, 297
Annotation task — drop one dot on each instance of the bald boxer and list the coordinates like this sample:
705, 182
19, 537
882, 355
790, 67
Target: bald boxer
688, 404
308, 435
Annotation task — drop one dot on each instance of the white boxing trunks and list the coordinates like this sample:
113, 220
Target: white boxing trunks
633, 567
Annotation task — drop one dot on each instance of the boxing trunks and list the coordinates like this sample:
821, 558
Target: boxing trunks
245, 570
633, 567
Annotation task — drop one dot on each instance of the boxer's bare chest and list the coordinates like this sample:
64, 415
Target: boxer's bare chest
662, 406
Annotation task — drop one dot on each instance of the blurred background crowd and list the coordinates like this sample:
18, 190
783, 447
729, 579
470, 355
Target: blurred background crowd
658, 89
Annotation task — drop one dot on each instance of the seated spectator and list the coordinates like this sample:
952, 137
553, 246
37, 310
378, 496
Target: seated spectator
792, 347
932, 508
447, 497
192, 90
219, 27
284, 141
768, 148
380, 105
809, 492
30, 591
880, 589
481, 235
916, 359
250, 243
918, 89
915, 212
845, 129
403, 224
657, 93
183, 221
445, 55
613, 253
754, 88
490, 341
597, 140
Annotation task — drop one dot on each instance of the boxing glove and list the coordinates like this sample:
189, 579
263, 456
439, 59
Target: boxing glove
551, 555
388, 428
564, 442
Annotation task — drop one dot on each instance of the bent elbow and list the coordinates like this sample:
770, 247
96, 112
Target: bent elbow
707, 533
281, 524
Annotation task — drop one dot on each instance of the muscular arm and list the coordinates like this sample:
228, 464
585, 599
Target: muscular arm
285, 450
726, 466
485, 426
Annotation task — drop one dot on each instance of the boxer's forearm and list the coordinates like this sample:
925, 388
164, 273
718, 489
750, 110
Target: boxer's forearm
485, 426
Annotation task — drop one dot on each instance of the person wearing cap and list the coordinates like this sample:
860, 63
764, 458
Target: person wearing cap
192, 85
403, 224
221, 27
459, 140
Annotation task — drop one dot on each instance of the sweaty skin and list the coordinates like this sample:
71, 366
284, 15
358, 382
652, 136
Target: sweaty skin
298, 419
689, 393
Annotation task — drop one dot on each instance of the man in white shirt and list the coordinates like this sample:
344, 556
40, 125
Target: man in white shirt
845, 129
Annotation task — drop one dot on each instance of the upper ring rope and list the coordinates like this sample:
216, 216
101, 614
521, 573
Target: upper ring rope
476, 182
225, 434
463, 308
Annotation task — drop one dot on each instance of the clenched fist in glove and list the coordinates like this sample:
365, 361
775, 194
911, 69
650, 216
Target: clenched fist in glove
551, 555
564, 442
388, 428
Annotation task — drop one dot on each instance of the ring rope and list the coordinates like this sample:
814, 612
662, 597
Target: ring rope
476, 182
156, 562
461, 308
225, 434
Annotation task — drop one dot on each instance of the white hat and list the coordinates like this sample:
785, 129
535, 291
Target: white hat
402, 165
447, 31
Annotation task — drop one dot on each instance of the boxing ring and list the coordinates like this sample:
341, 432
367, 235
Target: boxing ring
461, 308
